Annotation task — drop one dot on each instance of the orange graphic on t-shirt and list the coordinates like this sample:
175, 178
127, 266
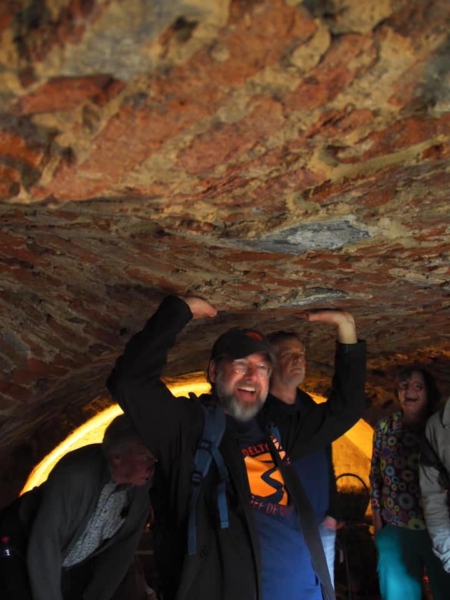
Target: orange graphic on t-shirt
264, 478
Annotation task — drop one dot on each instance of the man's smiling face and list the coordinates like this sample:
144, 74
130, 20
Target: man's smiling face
412, 394
241, 385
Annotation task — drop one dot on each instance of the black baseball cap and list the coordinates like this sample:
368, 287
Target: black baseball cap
239, 342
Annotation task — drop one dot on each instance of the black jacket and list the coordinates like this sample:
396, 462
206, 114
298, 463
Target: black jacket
227, 564
304, 399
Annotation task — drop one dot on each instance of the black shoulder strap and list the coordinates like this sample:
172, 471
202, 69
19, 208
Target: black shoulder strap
305, 514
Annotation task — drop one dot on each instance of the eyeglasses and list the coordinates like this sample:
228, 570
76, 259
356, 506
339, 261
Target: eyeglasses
415, 385
242, 367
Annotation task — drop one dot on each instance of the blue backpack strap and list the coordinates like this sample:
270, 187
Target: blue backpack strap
274, 431
208, 450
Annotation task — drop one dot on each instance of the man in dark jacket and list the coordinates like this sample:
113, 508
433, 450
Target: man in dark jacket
84, 523
234, 562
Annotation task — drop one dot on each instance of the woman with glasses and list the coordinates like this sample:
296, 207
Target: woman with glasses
401, 537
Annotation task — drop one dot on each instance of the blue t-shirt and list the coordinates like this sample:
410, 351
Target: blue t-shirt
314, 473
287, 570
313, 469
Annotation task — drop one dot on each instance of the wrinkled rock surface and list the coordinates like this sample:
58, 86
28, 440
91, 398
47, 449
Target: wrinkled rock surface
270, 156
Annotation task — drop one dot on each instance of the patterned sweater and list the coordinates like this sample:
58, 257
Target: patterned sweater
394, 473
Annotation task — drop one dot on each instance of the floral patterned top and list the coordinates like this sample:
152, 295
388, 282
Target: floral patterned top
394, 473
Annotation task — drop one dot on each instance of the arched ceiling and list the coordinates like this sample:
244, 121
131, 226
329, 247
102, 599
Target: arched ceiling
270, 156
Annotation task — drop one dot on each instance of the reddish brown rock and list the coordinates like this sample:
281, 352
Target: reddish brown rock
64, 93
268, 156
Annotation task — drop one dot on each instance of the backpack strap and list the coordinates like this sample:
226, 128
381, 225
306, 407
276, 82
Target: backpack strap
207, 451
305, 513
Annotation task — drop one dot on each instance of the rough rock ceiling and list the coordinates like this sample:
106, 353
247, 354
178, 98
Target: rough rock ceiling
269, 156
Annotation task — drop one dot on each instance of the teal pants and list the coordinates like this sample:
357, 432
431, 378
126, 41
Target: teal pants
402, 555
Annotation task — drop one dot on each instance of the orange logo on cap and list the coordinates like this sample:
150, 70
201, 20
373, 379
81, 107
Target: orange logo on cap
253, 334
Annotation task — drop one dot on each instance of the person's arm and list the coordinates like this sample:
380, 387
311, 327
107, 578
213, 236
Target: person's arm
376, 519
48, 535
375, 477
135, 379
314, 427
333, 515
342, 320
44, 559
434, 496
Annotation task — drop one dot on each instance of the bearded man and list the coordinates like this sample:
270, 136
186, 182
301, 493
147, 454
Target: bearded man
233, 558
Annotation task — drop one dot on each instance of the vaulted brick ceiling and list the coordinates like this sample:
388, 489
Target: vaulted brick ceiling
270, 156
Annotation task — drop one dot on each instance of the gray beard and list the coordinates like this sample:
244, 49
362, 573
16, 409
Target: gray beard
232, 406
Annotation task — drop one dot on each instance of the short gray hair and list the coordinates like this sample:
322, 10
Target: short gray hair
280, 336
120, 436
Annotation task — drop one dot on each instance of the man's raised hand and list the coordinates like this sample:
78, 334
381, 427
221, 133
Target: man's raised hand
200, 309
344, 321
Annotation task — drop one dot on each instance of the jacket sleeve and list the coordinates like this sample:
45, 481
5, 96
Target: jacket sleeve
135, 381
435, 502
317, 425
375, 476
47, 538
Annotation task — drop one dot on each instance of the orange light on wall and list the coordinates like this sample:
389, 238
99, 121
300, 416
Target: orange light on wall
359, 437
92, 432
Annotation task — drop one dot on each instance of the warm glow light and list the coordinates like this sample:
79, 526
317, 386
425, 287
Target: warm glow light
92, 432
361, 434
